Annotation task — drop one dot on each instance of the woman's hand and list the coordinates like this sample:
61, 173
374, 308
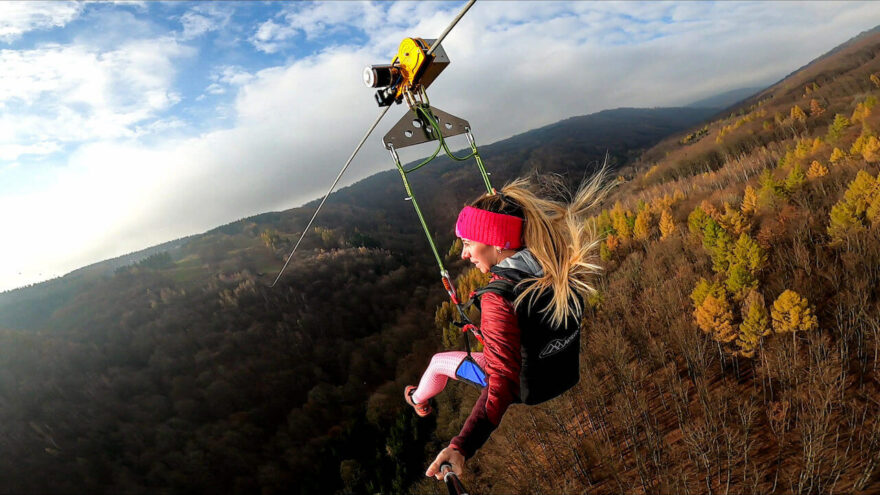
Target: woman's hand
449, 455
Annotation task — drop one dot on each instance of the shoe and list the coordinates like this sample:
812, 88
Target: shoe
422, 410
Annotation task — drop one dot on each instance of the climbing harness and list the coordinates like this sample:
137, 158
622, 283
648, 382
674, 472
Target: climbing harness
549, 354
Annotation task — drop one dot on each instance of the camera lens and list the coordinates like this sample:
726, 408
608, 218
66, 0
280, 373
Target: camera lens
378, 76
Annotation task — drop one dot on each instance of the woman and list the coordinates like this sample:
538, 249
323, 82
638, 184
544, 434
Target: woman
546, 247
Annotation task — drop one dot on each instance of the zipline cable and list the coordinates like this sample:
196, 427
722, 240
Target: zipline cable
367, 135
333, 186
450, 26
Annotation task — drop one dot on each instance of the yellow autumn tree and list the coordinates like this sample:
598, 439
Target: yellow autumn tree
620, 219
859, 144
733, 220
875, 79
863, 109
798, 114
666, 201
703, 289
817, 170
710, 210
792, 313
715, 318
613, 242
755, 325
871, 150
847, 215
642, 226
667, 224
750, 201
816, 108
804, 148
837, 155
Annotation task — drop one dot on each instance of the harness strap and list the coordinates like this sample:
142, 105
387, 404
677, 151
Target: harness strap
502, 287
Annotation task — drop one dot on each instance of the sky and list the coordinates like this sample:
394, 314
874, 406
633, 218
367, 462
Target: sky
127, 124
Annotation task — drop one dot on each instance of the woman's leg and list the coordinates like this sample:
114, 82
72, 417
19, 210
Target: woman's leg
441, 369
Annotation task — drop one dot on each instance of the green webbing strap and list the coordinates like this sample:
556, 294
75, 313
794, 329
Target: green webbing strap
415, 204
425, 111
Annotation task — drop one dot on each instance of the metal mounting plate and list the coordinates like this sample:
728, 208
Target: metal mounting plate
412, 129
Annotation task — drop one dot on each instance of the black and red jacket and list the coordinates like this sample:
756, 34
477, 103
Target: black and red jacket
527, 359
501, 348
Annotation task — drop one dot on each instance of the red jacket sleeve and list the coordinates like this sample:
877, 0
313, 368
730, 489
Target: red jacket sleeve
501, 348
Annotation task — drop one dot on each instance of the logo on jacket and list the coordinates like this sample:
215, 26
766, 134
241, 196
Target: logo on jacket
557, 345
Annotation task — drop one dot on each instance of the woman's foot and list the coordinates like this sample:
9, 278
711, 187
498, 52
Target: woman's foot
421, 409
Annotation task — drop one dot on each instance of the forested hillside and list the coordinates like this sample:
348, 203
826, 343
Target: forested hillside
183, 372
734, 345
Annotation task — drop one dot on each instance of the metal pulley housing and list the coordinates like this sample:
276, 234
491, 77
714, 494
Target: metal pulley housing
411, 70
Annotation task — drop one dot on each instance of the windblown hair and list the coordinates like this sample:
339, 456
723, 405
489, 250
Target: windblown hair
557, 233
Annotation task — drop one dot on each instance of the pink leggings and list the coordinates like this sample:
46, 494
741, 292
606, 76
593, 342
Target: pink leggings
442, 367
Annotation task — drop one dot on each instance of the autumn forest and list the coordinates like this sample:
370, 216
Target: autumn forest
733, 346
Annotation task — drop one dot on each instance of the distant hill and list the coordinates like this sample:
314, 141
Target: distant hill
726, 99
573, 147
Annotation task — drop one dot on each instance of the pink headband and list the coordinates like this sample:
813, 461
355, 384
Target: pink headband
494, 229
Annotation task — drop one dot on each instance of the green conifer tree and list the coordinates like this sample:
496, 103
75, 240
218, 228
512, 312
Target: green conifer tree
835, 130
795, 179
697, 221
843, 222
704, 288
746, 260
718, 243
771, 191
861, 192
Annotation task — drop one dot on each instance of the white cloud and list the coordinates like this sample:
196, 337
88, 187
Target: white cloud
17, 18
10, 152
270, 36
69, 94
204, 18
319, 19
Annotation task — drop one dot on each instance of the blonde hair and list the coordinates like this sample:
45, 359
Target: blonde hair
557, 233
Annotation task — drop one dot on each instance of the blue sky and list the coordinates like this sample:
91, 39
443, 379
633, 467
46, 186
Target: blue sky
127, 124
